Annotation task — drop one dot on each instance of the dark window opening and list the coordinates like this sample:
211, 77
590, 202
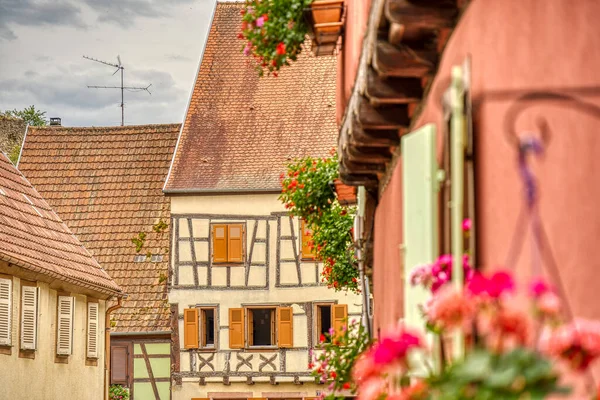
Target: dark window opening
261, 325
208, 317
324, 320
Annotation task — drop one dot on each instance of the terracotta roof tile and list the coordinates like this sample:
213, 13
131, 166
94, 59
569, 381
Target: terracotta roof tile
35, 238
106, 184
240, 130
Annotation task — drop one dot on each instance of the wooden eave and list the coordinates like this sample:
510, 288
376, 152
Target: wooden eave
400, 55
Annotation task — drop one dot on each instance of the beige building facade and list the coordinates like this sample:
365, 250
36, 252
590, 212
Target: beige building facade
246, 328
56, 336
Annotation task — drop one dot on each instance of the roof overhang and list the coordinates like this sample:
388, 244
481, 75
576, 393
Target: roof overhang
399, 58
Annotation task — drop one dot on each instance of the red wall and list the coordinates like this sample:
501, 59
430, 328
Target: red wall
519, 45
357, 13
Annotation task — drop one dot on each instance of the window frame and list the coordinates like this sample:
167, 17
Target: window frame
274, 337
317, 319
201, 333
227, 263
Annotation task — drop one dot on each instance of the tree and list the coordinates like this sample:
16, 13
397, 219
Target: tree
30, 115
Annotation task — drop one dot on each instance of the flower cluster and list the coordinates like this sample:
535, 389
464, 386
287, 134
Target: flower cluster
273, 32
337, 355
512, 354
118, 392
307, 193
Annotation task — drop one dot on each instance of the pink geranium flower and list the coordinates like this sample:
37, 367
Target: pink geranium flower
260, 21
394, 347
449, 309
577, 343
538, 287
467, 224
495, 286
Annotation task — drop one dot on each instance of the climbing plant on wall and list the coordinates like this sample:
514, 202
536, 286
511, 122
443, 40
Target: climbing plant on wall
307, 193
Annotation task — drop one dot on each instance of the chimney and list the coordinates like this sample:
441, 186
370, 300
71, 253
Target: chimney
55, 121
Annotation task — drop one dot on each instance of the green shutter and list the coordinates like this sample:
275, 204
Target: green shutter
419, 190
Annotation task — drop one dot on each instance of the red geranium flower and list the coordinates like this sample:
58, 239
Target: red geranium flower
281, 49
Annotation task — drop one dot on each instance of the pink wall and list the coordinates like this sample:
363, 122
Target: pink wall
520, 45
357, 13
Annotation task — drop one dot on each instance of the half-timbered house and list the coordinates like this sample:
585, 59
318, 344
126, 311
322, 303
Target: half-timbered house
248, 291
53, 300
106, 184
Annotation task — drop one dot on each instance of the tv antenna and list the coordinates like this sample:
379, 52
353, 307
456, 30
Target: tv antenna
119, 67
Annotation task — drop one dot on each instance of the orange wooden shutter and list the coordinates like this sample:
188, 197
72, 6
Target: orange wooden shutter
285, 326
219, 239
306, 233
236, 328
340, 316
190, 328
235, 244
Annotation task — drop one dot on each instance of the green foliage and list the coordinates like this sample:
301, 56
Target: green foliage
162, 277
521, 373
160, 226
307, 194
30, 115
339, 353
274, 32
118, 392
14, 153
139, 241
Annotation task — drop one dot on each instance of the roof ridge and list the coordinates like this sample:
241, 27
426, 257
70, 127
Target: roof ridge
91, 128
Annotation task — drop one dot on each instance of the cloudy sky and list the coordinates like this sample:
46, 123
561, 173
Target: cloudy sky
42, 43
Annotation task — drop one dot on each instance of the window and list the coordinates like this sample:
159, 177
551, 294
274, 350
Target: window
64, 336
323, 319
306, 236
330, 316
207, 323
92, 330
228, 243
199, 328
29, 321
5, 311
119, 363
261, 327
266, 327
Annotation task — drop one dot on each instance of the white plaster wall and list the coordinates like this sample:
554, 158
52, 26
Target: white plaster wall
41, 378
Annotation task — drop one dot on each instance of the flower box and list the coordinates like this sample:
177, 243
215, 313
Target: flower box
325, 22
345, 194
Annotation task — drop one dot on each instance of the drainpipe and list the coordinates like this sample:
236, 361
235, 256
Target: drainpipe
359, 222
107, 344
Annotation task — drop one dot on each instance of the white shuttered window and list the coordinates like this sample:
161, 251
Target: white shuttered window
5, 311
29, 320
92, 330
64, 334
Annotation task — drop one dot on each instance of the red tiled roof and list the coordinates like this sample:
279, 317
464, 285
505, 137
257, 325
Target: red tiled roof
241, 130
35, 238
106, 184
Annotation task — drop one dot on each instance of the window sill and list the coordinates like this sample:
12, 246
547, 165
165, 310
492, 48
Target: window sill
6, 349
30, 354
91, 362
228, 264
262, 348
207, 349
61, 359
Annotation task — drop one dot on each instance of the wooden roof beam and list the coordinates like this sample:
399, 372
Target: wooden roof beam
392, 91
403, 62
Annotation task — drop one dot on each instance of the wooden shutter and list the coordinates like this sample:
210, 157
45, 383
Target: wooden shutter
5, 311
419, 214
339, 314
306, 236
236, 328
119, 364
92, 330
219, 242
29, 300
285, 327
235, 245
190, 328
64, 336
